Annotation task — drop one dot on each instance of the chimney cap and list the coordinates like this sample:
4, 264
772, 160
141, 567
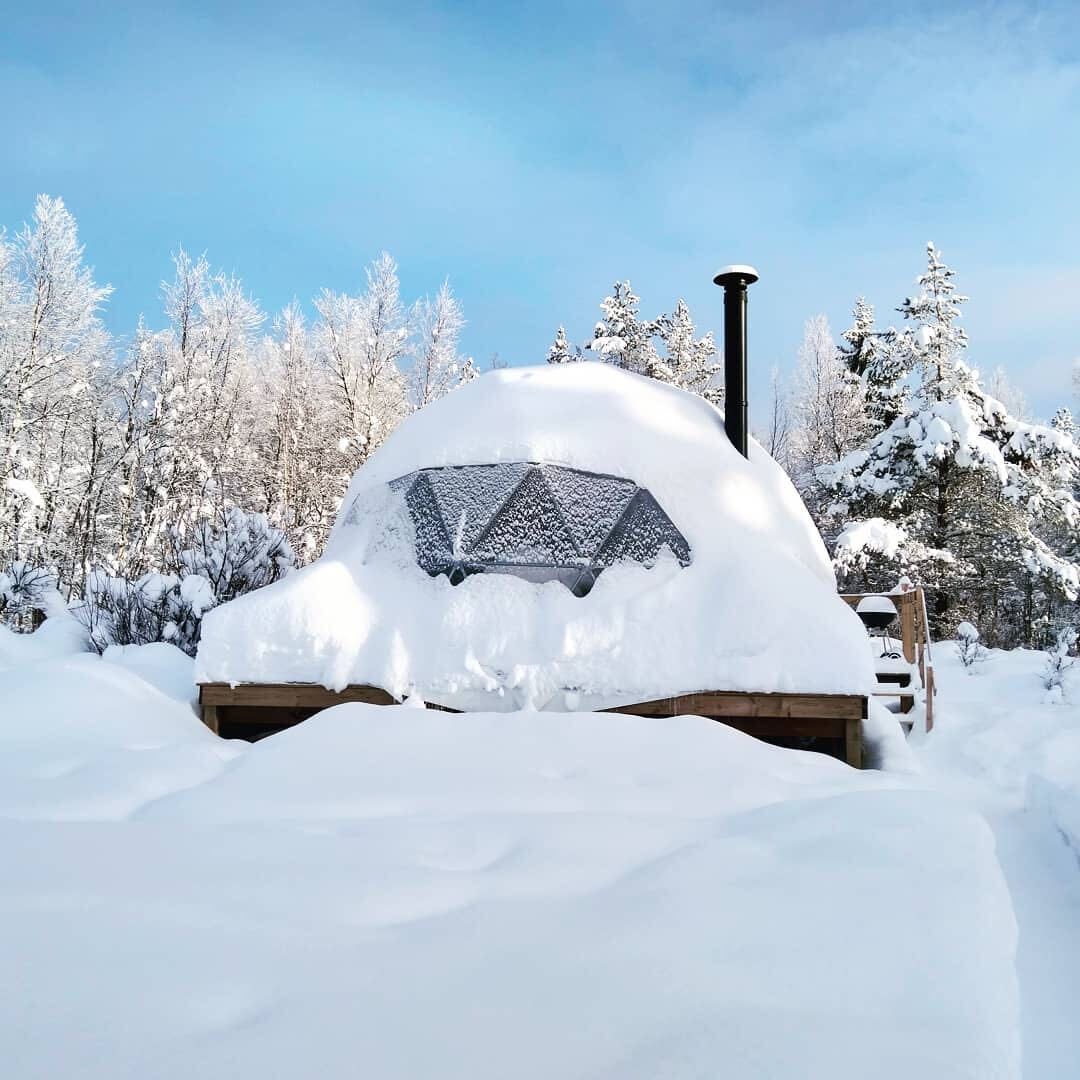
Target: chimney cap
739, 272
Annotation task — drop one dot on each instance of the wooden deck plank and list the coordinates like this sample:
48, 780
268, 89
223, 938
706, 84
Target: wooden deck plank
290, 695
734, 703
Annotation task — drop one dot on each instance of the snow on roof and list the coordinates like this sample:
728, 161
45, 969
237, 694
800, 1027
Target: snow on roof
757, 587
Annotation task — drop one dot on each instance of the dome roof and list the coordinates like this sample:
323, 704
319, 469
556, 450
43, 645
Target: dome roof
703, 570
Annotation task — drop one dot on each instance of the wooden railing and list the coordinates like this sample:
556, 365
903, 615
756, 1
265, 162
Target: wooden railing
914, 638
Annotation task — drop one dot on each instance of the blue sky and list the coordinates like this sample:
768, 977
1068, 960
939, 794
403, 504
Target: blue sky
535, 153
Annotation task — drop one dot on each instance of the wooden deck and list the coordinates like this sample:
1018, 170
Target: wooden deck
833, 721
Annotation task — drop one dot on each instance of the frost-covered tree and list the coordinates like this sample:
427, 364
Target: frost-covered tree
622, 337
829, 416
873, 358
777, 437
363, 341
302, 473
52, 346
666, 348
437, 365
561, 351
969, 493
688, 361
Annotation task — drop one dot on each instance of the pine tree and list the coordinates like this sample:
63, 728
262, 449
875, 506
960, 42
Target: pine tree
561, 351
688, 361
621, 337
969, 497
873, 359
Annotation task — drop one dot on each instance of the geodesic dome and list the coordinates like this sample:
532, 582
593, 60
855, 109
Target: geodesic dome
561, 537
535, 520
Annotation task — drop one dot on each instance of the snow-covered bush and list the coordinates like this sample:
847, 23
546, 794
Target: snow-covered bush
27, 594
234, 554
1058, 663
968, 648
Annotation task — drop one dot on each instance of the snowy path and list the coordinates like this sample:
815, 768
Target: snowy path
993, 738
1043, 874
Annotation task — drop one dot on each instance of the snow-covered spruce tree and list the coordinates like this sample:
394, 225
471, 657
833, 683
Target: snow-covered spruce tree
878, 362
969, 649
363, 340
688, 361
967, 496
829, 416
561, 351
1058, 663
666, 348
622, 337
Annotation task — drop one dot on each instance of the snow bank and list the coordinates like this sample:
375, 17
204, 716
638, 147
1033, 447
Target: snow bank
57, 636
162, 665
399, 893
85, 739
758, 587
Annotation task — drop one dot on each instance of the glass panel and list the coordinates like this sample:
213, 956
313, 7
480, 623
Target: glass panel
539, 521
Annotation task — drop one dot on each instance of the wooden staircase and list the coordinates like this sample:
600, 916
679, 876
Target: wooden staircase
916, 649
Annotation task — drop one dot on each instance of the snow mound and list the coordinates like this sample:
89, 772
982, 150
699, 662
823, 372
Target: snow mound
366, 761
758, 586
85, 739
411, 894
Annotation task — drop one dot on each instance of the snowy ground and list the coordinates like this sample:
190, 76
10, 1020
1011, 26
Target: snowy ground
1017, 760
401, 893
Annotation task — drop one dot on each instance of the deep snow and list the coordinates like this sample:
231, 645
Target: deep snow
399, 892
1016, 758
758, 586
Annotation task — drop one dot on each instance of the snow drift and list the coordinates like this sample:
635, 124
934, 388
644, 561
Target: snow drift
397, 892
758, 586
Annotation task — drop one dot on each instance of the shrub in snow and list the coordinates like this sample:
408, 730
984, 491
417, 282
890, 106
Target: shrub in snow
967, 646
222, 559
232, 554
27, 594
1058, 663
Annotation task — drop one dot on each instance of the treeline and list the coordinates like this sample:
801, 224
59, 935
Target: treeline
126, 460
145, 478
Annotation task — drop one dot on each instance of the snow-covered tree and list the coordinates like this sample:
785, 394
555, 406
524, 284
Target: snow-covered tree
621, 337
688, 361
363, 341
873, 358
971, 491
52, 344
437, 366
829, 416
561, 351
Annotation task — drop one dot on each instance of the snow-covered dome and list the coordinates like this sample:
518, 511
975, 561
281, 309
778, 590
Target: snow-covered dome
567, 536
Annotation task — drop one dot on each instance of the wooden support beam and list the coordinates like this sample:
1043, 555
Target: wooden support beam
736, 703
290, 695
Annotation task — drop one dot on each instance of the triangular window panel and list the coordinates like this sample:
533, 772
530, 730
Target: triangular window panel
528, 529
642, 533
469, 495
433, 547
591, 503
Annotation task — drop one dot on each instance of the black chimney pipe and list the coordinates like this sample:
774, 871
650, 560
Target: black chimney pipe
734, 280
